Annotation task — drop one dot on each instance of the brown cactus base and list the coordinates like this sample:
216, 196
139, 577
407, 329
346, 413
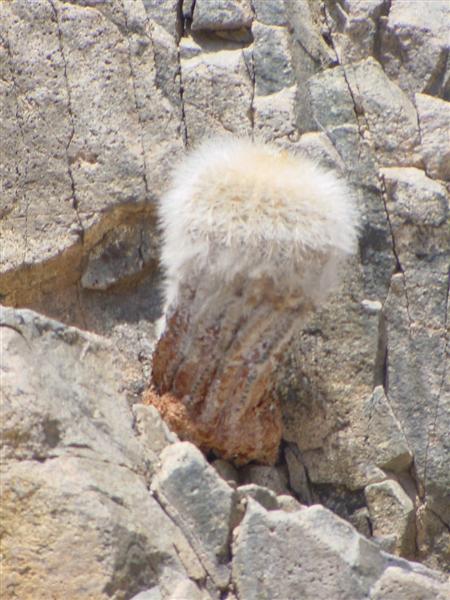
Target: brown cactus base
214, 369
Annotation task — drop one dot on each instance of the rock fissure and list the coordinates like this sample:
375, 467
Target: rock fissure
445, 361
195, 542
185, 131
75, 202
250, 66
137, 106
19, 121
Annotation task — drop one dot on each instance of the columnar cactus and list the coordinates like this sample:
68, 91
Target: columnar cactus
253, 240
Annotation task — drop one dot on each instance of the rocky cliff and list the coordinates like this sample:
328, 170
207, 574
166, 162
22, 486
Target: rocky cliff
99, 101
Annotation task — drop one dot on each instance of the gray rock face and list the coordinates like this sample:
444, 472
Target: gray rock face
200, 503
79, 514
98, 100
74, 476
414, 47
326, 561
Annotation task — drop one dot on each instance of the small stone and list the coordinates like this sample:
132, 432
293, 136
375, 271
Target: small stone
389, 114
153, 594
414, 198
392, 514
270, 13
360, 519
227, 471
403, 584
272, 59
152, 430
373, 307
262, 495
221, 15
199, 502
289, 503
272, 478
389, 448
298, 479
434, 124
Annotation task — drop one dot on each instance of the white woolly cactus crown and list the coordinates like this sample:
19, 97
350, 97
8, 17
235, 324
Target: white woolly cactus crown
242, 207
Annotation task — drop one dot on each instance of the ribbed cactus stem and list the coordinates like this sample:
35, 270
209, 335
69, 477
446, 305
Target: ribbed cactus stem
214, 368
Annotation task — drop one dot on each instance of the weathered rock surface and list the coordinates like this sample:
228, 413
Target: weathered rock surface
97, 101
88, 135
221, 15
414, 49
200, 503
325, 561
76, 477
391, 513
434, 119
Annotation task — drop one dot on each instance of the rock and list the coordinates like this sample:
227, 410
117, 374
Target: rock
298, 479
390, 116
434, 117
167, 64
274, 115
270, 13
392, 514
390, 449
221, 15
95, 110
360, 519
272, 59
67, 53
74, 477
174, 587
413, 47
356, 26
260, 494
80, 123
226, 471
288, 503
187, 589
35, 94
57, 388
153, 594
309, 49
218, 88
401, 584
121, 255
331, 100
415, 313
151, 429
273, 478
323, 407
165, 14
414, 199
319, 542
200, 503
318, 146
